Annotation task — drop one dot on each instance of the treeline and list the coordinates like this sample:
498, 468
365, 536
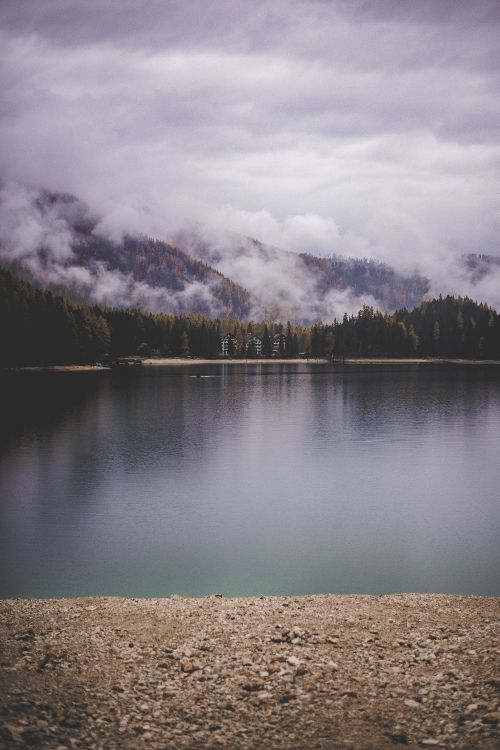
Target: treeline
453, 327
40, 328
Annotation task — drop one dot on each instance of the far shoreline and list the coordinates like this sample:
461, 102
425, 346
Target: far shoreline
177, 361
183, 361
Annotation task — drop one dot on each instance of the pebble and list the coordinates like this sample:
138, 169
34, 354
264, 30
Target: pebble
412, 704
249, 690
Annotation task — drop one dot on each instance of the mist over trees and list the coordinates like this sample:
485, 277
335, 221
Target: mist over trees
54, 240
38, 327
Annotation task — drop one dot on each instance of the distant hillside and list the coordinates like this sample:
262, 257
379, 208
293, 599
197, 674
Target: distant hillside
163, 278
53, 240
480, 266
304, 287
40, 328
365, 276
71, 258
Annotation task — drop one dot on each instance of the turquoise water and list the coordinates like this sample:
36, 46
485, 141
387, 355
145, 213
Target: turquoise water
259, 479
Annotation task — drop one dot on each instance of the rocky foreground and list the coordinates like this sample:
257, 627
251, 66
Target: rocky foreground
275, 672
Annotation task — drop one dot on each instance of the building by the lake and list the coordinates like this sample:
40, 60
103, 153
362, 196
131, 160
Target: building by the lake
254, 346
279, 345
229, 345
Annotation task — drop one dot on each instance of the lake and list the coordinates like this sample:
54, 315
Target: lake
252, 479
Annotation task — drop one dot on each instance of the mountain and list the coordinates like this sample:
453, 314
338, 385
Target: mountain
480, 266
304, 287
162, 278
40, 328
71, 256
54, 240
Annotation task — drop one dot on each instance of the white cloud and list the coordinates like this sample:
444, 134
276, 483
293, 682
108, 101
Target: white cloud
346, 127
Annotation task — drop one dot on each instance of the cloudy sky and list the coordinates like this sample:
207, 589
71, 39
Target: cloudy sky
364, 128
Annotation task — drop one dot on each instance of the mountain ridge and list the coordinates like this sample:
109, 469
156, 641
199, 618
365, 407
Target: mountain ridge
218, 274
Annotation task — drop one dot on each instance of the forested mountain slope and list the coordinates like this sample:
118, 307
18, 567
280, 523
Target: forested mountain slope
68, 253
55, 241
304, 287
40, 328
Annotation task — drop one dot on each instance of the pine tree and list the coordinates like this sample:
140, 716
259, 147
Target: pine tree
184, 348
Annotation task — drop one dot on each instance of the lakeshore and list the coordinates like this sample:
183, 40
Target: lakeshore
184, 361
323, 671
323, 361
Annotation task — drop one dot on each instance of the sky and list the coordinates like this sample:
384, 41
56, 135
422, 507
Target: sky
357, 128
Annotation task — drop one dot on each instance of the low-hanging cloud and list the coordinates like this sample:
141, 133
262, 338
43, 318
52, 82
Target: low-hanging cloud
326, 127
41, 233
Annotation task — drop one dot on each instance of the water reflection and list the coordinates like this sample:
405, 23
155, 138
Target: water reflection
260, 479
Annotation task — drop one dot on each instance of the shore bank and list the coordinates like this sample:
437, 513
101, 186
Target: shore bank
426, 361
322, 361
309, 672
176, 361
180, 361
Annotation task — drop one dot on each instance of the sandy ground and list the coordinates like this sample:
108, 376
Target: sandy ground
273, 361
303, 361
177, 361
60, 368
299, 673
427, 361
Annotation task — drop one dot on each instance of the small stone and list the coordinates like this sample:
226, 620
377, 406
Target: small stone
293, 661
332, 665
399, 737
253, 686
30, 737
412, 704
190, 665
263, 696
492, 718
494, 682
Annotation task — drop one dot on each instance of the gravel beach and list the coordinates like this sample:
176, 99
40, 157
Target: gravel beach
271, 672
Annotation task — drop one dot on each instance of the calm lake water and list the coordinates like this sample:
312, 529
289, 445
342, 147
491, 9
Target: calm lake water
253, 479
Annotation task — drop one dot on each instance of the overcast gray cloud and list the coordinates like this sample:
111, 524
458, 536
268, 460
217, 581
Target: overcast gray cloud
360, 128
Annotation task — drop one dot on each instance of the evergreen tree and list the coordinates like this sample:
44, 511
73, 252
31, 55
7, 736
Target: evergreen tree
184, 348
267, 344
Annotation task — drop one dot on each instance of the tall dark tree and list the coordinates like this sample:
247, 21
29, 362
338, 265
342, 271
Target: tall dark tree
267, 344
